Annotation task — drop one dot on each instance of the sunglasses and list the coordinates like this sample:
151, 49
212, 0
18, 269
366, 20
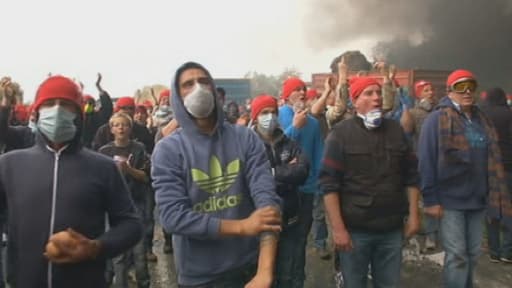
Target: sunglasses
464, 86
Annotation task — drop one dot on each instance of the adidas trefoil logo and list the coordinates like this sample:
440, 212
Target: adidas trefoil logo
218, 181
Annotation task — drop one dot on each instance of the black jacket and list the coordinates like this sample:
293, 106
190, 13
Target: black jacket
370, 170
13, 137
495, 107
93, 121
288, 177
48, 192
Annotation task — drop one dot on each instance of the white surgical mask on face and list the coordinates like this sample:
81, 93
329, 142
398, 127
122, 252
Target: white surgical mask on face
426, 105
267, 123
372, 119
57, 124
200, 102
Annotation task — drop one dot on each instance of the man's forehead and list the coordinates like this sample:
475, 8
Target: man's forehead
192, 73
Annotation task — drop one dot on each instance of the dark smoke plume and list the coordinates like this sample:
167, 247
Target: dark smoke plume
425, 34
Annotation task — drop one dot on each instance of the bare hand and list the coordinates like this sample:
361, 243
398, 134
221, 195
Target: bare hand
412, 226
170, 127
342, 70
342, 240
294, 161
72, 247
435, 211
300, 119
260, 281
123, 166
327, 84
267, 219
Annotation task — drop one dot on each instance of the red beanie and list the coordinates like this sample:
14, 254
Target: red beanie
261, 102
141, 109
311, 94
290, 85
124, 102
87, 98
358, 84
458, 75
147, 104
418, 87
164, 93
21, 112
58, 87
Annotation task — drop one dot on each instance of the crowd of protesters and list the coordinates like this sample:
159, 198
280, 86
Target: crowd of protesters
239, 188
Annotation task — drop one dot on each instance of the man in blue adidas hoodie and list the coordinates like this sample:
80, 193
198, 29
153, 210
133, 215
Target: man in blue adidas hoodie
304, 129
215, 191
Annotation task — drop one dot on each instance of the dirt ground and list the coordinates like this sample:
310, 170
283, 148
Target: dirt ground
417, 273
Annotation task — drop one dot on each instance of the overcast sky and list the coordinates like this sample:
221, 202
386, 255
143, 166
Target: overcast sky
137, 43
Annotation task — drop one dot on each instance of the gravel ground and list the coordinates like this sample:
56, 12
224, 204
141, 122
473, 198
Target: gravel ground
417, 273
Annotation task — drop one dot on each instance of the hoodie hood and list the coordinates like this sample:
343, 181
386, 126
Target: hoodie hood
496, 97
181, 114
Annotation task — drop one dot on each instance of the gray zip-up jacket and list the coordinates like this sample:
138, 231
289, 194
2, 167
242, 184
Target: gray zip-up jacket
48, 191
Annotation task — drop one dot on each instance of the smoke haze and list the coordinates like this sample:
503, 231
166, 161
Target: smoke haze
426, 34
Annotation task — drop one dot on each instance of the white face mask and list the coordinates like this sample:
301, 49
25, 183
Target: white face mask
200, 102
267, 123
372, 119
57, 124
426, 105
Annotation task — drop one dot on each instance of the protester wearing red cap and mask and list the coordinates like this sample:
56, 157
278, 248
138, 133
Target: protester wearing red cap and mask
62, 241
305, 130
290, 169
462, 175
367, 166
425, 101
94, 119
139, 132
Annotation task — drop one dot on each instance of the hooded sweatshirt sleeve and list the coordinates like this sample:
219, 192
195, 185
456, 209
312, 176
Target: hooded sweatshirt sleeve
428, 159
176, 213
259, 174
125, 226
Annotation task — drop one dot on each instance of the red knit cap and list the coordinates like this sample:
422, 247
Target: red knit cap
58, 87
141, 109
418, 87
124, 102
147, 104
311, 94
164, 93
358, 84
87, 98
261, 102
458, 75
290, 85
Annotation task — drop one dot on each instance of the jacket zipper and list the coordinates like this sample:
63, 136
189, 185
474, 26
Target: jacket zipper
52, 217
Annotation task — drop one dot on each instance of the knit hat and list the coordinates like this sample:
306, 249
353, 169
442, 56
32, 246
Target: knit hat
358, 84
141, 109
58, 87
87, 98
124, 102
261, 102
290, 85
458, 75
164, 93
147, 104
418, 87
311, 94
